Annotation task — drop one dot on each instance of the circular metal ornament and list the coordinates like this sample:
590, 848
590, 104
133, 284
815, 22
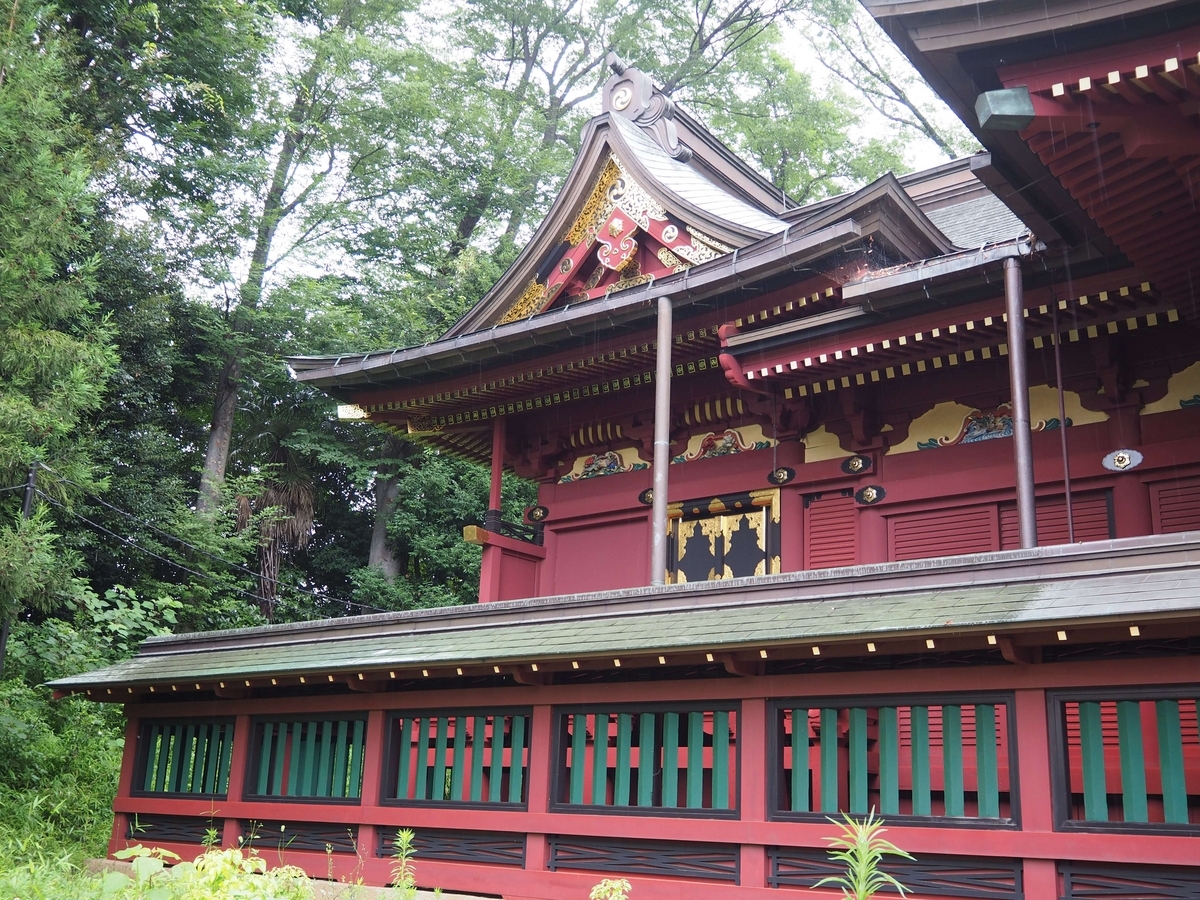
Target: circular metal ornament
622, 97
566, 265
669, 233
646, 496
1122, 460
781, 475
856, 465
537, 514
870, 495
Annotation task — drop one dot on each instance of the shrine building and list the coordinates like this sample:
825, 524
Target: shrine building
886, 502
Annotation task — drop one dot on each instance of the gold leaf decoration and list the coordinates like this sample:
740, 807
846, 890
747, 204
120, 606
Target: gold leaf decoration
527, 304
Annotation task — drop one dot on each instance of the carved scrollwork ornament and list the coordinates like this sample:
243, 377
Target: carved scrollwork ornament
781, 475
870, 495
856, 465
1122, 460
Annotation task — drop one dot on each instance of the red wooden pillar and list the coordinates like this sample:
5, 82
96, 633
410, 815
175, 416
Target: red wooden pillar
1131, 495
1033, 766
120, 826
540, 776
872, 524
237, 776
791, 511
489, 570
372, 783
752, 791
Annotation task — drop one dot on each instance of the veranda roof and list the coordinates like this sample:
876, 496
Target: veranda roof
1128, 580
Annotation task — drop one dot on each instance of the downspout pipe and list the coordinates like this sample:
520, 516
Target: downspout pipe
662, 444
1019, 381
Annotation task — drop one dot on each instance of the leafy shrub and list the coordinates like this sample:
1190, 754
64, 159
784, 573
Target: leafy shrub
611, 889
215, 875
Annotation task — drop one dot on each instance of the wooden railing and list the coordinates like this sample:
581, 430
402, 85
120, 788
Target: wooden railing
929, 757
679, 758
1127, 759
471, 756
186, 757
310, 757
730, 794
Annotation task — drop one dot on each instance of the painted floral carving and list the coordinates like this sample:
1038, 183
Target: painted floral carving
723, 443
599, 464
980, 425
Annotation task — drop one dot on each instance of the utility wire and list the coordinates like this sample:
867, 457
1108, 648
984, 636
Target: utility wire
15, 487
152, 527
200, 550
193, 572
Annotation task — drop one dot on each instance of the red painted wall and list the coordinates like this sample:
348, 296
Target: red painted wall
1035, 841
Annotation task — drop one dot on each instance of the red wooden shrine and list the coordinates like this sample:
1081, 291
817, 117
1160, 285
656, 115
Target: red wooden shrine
890, 501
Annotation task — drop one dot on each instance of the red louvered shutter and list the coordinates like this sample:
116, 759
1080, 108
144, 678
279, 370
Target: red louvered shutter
1090, 513
1176, 506
944, 532
830, 532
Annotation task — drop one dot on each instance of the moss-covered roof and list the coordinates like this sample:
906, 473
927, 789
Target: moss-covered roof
1135, 579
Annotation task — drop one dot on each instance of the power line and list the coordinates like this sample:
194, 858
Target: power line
200, 550
193, 572
151, 526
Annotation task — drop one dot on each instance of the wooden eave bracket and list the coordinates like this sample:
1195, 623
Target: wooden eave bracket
1020, 656
746, 669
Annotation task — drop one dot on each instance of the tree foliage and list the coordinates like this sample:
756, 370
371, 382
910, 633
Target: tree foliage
190, 192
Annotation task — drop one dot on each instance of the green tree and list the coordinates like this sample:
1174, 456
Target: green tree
850, 44
55, 354
804, 140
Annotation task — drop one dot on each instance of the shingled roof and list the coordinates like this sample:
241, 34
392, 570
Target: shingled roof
1132, 579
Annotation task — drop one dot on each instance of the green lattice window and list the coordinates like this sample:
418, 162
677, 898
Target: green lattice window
926, 758
681, 758
460, 757
186, 756
1129, 759
311, 757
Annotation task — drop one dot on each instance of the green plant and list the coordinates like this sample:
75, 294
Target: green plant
215, 875
611, 889
404, 876
861, 849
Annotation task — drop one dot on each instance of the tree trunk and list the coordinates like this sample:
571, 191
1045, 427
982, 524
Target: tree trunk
300, 117
381, 556
387, 498
220, 434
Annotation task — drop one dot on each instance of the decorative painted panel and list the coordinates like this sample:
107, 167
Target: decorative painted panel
1082, 881
731, 536
713, 444
492, 848
928, 876
318, 758
186, 756
153, 830
648, 759
1129, 760
278, 837
597, 465
939, 757
668, 859
469, 756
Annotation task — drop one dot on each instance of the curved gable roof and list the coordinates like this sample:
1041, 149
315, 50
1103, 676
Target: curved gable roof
671, 173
